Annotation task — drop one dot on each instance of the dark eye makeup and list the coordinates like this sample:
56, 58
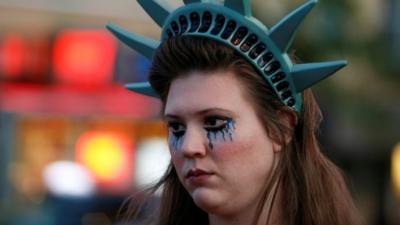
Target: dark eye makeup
215, 123
217, 127
176, 128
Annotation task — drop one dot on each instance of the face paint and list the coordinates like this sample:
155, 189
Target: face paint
221, 133
218, 129
175, 141
175, 137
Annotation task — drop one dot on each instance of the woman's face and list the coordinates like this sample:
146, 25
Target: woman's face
219, 148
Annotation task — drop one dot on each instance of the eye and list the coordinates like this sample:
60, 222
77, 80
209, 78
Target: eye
216, 123
176, 128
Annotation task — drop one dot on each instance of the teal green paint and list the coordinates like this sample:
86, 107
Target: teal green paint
287, 80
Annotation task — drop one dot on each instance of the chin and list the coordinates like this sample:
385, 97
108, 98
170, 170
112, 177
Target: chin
208, 200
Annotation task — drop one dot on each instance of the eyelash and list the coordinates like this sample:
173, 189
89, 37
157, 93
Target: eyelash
178, 132
216, 127
212, 124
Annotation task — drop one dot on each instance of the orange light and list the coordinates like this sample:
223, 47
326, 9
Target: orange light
84, 57
107, 155
395, 169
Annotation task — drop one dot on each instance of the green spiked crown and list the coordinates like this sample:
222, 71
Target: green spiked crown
231, 23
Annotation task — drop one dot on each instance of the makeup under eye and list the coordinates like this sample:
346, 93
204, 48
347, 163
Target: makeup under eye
216, 123
176, 128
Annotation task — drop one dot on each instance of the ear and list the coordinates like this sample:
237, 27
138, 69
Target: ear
288, 119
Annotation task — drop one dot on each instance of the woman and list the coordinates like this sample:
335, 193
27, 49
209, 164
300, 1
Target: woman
242, 141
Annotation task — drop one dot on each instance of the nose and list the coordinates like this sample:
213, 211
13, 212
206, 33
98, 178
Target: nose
193, 143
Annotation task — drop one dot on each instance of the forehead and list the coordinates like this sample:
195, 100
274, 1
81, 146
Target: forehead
199, 91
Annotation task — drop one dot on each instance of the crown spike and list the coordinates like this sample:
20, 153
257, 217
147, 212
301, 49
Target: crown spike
260, 45
158, 11
283, 32
142, 88
143, 45
190, 1
306, 75
240, 6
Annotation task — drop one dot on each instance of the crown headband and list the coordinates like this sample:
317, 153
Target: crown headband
231, 23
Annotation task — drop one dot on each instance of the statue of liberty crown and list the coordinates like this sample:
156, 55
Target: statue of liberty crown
231, 23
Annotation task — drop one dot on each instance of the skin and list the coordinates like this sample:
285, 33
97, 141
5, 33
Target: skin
237, 167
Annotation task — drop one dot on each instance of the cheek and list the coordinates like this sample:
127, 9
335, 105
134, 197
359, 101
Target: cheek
247, 155
177, 162
232, 150
176, 158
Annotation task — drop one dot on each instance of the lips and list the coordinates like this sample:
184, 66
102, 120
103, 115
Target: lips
198, 176
196, 173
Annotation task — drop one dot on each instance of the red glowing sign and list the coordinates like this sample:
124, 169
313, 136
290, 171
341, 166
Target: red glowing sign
84, 57
24, 58
13, 53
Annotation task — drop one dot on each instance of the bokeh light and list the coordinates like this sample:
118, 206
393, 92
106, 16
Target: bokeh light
107, 155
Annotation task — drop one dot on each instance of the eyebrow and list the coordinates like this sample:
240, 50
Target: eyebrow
201, 112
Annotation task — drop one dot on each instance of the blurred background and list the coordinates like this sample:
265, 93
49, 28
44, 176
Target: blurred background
74, 144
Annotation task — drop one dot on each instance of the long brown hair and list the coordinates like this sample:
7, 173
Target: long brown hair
314, 190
